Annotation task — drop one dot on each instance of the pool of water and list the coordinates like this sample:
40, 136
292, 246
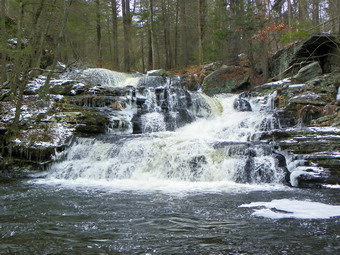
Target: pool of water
38, 217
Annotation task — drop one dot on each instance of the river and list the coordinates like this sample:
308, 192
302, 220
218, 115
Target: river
38, 218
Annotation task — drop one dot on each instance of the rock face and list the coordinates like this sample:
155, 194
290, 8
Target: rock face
308, 111
227, 79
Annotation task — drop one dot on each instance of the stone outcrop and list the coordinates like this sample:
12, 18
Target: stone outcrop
307, 106
227, 79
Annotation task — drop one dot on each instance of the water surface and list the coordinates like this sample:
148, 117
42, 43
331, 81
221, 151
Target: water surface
39, 218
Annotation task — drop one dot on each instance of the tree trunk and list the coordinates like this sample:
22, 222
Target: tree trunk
202, 11
150, 49
183, 34
3, 63
316, 13
152, 35
99, 35
303, 11
142, 49
114, 11
166, 31
127, 20
176, 36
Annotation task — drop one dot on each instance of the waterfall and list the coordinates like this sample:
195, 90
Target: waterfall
108, 78
219, 148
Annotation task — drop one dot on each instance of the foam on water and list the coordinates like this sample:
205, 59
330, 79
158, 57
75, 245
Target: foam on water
173, 187
287, 208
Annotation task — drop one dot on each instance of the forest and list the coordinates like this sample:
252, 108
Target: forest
140, 35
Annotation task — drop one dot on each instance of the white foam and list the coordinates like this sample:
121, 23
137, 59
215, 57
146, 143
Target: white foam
151, 184
297, 209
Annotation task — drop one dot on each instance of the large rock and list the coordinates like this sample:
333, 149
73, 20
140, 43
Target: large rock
308, 72
227, 79
321, 48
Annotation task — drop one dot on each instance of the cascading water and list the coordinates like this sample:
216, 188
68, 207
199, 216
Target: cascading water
223, 148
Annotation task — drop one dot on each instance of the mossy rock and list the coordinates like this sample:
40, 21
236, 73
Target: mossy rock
227, 79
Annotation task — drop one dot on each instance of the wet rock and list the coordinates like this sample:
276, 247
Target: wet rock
242, 105
268, 124
196, 165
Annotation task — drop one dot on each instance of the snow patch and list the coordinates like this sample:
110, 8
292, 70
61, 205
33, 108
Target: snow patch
277, 83
307, 95
296, 86
296, 209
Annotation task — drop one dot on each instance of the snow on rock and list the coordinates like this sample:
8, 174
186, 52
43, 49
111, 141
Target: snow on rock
35, 137
327, 154
278, 83
307, 95
296, 209
296, 86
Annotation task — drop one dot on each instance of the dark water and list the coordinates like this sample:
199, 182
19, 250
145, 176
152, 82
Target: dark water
52, 219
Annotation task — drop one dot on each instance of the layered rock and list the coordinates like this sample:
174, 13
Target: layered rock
307, 107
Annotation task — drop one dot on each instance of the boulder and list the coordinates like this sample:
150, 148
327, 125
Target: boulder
242, 105
308, 72
227, 79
